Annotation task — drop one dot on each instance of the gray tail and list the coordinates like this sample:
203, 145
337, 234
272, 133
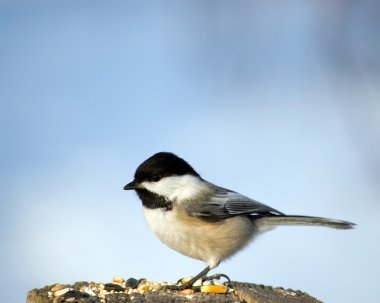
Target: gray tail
283, 220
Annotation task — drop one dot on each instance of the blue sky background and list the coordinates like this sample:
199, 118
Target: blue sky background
278, 100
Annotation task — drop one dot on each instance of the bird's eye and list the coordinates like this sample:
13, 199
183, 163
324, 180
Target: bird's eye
155, 177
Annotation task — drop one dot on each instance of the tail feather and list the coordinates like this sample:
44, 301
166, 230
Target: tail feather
283, 220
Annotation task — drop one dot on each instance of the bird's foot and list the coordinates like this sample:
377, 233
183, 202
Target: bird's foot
195, 284
216, 277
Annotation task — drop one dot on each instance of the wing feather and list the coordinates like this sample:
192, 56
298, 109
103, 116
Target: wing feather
224, 204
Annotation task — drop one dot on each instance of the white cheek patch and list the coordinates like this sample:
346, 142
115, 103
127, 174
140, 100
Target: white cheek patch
175, 187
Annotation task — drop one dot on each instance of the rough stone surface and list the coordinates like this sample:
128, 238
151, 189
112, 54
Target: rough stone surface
239, 292
253, 293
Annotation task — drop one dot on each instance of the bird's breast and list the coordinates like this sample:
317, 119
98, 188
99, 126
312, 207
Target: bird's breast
210, 242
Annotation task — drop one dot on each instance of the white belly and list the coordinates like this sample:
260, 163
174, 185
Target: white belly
210, 242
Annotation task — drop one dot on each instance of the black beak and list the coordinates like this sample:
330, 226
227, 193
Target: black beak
131, 185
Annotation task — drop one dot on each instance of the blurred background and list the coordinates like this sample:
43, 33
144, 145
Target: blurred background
278, 100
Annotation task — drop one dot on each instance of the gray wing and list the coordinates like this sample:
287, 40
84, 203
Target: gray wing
225, 204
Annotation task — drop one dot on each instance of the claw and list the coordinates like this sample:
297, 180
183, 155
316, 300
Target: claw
190, 283
216, 277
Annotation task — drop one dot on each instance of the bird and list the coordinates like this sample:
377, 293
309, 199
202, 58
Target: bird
202, 220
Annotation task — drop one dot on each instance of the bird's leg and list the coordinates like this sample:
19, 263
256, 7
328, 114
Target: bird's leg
189, 283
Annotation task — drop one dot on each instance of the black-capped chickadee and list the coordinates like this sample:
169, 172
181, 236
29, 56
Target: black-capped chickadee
202, 220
